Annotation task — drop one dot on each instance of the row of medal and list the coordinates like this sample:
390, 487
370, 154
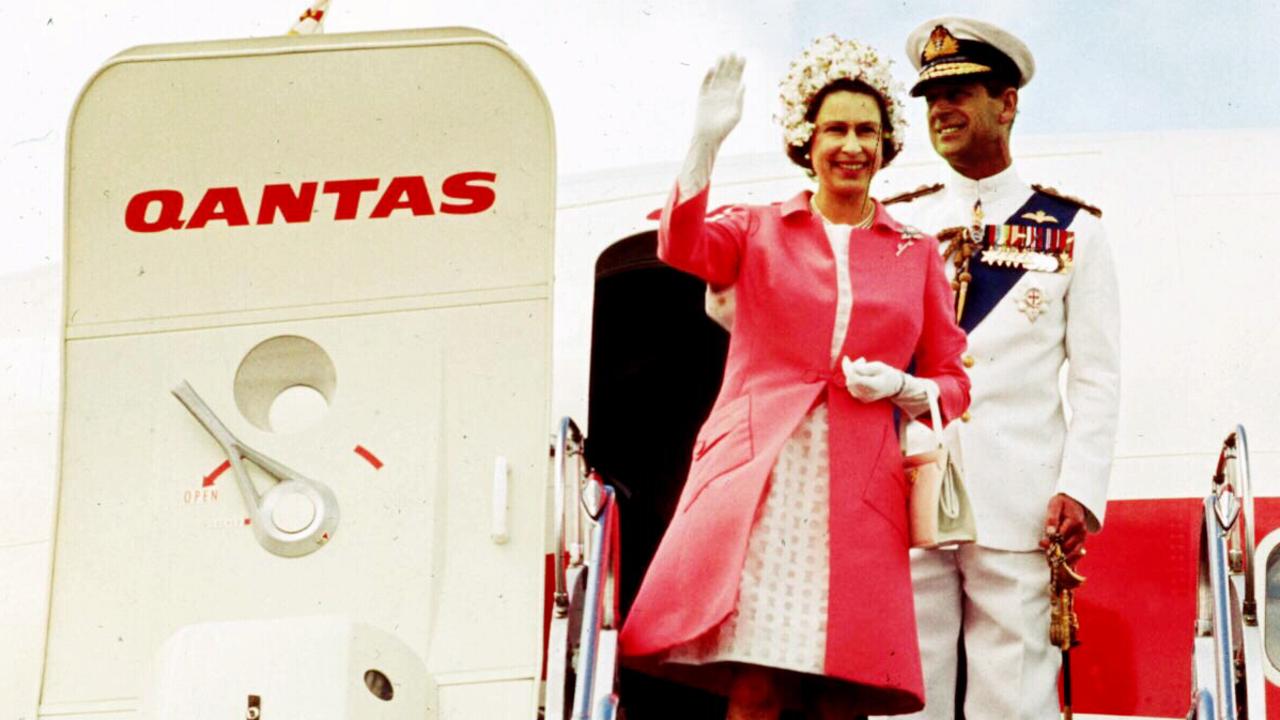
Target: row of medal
1030, 248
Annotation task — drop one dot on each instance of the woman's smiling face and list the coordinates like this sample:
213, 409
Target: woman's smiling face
845, 149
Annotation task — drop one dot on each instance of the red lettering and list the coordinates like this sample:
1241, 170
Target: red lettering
461, 187
293, 206
349, 192
222, 203
466, 193
169, 217
408, 192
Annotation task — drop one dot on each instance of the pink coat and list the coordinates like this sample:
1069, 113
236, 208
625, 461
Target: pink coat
778, 367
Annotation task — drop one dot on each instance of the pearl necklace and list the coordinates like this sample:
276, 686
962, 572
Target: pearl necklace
862, 224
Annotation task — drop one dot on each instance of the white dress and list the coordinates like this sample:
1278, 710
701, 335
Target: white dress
781, 618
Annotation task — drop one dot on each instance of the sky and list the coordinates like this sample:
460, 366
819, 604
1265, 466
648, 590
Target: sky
621, 76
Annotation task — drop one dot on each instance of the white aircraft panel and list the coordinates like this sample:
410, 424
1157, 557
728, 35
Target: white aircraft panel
418, 310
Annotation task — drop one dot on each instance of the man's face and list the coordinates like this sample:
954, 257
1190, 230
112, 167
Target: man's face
967, 126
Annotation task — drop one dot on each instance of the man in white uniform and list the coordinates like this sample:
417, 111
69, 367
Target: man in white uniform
1038, 290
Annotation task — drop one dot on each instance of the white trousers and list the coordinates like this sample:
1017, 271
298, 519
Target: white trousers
999, 602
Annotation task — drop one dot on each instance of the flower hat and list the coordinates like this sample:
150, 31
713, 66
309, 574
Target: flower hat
826, 60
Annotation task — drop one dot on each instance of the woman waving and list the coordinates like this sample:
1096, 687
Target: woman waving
783, 579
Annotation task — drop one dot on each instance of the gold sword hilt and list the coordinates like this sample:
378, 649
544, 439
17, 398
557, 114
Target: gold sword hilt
1063, 582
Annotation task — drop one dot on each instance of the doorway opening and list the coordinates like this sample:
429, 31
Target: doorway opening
656, 365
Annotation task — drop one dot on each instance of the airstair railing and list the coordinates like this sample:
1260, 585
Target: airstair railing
597, 649
583, 642
568, 445
1227, 635
1233, 467
1213, 606
1204, 708
607, 709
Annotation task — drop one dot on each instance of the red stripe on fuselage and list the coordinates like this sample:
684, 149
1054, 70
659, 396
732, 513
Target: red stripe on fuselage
1137, 609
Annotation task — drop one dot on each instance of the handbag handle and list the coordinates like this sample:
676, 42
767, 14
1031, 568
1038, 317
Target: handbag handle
949, 499
935, 419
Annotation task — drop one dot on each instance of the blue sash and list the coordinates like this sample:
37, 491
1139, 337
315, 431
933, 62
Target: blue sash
990, 284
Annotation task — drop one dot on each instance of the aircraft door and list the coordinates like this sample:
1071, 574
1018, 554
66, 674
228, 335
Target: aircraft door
656, 366
366, 217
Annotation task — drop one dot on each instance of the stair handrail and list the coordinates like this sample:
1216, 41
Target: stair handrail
568, 442
600, 602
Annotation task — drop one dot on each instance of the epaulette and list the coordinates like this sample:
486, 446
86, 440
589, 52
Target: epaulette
1091, 209
912, 195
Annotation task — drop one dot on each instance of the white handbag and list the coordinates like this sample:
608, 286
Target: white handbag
940, 513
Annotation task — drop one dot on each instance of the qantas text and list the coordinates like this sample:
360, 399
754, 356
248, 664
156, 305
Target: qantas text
464, 193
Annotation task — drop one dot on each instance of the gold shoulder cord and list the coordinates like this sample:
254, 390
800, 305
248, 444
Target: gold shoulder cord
960, 246
1063, 623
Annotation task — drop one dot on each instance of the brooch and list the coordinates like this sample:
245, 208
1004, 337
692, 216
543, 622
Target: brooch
909, 235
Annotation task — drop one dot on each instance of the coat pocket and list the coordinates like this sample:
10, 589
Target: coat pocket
724, 444
886, 490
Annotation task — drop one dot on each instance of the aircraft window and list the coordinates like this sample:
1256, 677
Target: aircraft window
1271, 609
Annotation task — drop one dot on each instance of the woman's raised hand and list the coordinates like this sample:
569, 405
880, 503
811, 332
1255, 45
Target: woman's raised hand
719, 109
720, 100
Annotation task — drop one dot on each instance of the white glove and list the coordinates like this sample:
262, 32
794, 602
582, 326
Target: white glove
719, 110
914, 397
871, 380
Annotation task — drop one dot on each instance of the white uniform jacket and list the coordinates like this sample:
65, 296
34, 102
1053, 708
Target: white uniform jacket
1017, 447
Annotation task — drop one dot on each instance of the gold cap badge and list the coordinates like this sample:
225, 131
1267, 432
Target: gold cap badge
941, 44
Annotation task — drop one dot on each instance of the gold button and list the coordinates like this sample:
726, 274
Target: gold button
966, 416
967, 360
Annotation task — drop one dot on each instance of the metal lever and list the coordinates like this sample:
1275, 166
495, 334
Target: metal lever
297, 516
